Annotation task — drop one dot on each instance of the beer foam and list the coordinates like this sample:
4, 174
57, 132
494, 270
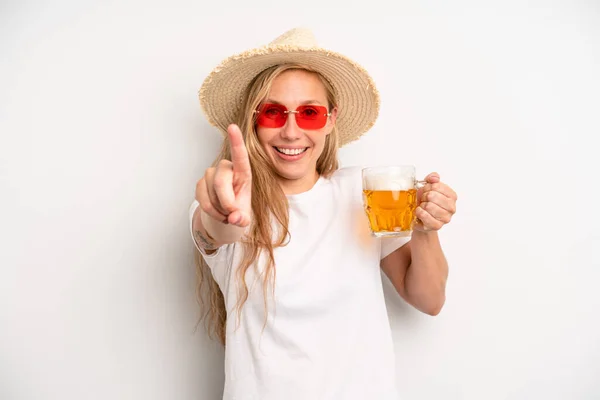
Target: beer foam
382, 182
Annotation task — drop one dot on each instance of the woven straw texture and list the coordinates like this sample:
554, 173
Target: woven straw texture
358, 98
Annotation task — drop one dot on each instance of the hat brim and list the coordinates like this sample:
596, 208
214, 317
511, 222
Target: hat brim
357, 96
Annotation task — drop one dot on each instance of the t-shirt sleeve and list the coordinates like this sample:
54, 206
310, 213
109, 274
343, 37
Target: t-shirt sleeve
391, 244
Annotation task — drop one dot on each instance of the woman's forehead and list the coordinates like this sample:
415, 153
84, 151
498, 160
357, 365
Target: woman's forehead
297, 87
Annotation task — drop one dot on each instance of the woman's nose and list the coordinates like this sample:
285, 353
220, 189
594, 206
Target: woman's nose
290, 130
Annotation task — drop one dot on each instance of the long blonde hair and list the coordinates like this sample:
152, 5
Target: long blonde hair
269, 203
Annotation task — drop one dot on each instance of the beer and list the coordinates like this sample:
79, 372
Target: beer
390, 210
390, 199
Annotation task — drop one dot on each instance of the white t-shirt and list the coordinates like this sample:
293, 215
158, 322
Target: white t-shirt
327, 334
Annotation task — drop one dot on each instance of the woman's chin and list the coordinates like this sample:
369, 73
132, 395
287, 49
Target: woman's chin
295, 172
291, 175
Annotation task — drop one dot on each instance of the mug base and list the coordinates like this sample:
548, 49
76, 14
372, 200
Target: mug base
392, 234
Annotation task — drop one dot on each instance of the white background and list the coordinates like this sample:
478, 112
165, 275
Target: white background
102, 141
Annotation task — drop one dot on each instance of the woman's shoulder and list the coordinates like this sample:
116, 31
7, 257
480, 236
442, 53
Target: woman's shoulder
348, 174
348, 178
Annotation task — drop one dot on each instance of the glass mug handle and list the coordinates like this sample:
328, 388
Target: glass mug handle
419, 185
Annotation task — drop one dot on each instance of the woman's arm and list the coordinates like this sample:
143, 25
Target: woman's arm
419, 271
211, 234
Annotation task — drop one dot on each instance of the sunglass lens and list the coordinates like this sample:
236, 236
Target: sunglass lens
311, 117
272, 116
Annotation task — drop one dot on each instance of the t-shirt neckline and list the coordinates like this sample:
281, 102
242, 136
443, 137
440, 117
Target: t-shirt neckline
307, 195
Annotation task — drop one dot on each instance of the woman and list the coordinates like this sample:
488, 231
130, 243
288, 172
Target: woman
291, 270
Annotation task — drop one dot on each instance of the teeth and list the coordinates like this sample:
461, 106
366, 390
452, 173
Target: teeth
291, 152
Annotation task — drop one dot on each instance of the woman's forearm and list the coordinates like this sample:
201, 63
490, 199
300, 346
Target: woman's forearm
425, 280
211, 234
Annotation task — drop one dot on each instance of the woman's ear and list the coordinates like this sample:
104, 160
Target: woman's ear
332, 119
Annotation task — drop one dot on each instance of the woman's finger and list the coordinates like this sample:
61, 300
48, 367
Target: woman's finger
428, 221
440, 199
239, 153
210, 187
441, 188
436, 212
433, 177
206, 204
239, 218
223, 186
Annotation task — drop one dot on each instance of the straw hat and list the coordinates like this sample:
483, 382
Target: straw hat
358, 98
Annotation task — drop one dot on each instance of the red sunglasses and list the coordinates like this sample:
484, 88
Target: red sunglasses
307, 117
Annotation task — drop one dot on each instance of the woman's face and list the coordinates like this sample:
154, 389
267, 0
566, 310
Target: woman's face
294, 151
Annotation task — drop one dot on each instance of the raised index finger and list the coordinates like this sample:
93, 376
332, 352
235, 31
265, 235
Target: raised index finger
239, 153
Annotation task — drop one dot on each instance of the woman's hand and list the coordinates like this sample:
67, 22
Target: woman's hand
225, 191
436, 204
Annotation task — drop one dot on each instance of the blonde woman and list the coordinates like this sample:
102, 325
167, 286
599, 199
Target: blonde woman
286, 257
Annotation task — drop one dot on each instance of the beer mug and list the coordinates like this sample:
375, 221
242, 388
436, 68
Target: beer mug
390, 199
